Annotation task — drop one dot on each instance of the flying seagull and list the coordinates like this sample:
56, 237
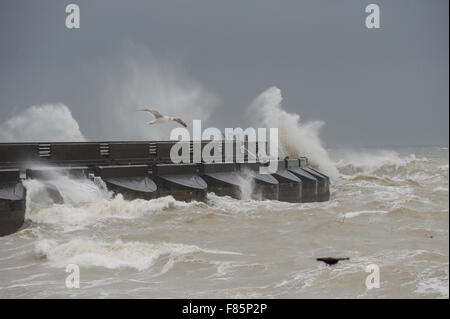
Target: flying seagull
159, 118
331, 260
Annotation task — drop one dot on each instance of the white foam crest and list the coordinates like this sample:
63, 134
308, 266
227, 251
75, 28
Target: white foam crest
434, 280
46, 122
232, 205
229, 204
41, 195
87, 213
434, 286
440, 190
363, 212
381, 163
137, 255
296, 138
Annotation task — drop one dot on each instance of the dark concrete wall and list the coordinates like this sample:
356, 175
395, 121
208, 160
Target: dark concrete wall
9, 176
121, 171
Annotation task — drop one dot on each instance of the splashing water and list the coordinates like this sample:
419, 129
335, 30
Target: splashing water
295, 138
387, 164
72, 191
245, 248
389, 207
143, 81
47, 122
246, 185
134, 81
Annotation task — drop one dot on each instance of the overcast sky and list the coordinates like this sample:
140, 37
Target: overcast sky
385, 87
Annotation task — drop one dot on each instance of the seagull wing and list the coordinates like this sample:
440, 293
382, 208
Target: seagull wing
180, 121
155, 113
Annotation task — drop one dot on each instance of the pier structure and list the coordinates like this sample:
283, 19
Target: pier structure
144, 169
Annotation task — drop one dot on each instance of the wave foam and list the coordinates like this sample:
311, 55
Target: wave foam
141, 79
71, 191
434, 283
137, 255
387, 167
363, 212
47, 122
86, 213
296, 138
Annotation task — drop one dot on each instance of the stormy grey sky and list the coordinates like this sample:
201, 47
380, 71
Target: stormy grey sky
385, 87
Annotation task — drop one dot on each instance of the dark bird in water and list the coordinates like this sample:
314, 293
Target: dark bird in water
331, 261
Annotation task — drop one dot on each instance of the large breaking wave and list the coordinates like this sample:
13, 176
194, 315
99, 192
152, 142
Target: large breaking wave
42, 123
295, 137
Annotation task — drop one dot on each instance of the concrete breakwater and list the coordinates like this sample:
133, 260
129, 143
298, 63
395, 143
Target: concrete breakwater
144, 170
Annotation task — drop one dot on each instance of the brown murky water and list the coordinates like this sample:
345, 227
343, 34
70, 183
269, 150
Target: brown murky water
389, 208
